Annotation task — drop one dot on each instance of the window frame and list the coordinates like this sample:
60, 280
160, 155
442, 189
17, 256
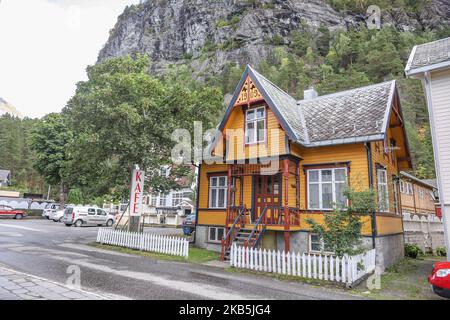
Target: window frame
218, 188
255, 122
322, 245
216, 240
386, 184
319, 183
162, 197
177, 196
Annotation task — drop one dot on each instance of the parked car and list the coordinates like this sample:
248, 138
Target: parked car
189, 224
49, 208
87, 216
10, 212
57, 215
440, 279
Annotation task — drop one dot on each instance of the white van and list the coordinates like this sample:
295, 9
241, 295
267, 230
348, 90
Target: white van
87, 216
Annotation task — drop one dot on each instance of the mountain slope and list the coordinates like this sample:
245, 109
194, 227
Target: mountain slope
5, 108
209, 34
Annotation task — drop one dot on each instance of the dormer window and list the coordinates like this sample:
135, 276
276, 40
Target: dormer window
255, 125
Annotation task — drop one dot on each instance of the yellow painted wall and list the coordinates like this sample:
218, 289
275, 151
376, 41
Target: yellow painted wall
413, 203
275, 138
356, 154
389, 225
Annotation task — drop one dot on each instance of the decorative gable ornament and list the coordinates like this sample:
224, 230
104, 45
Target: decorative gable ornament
249, 92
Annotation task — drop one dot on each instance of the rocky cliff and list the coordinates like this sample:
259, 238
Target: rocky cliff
209, 34
6, 107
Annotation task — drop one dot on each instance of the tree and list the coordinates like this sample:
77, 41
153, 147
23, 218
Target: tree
75, 196
341, 230
50, 138
122, 116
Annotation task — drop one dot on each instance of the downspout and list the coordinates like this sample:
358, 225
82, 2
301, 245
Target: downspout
373, 214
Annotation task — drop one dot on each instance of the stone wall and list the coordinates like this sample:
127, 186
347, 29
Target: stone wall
426, 231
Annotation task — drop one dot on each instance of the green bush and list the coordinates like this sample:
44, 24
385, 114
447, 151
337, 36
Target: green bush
441, 251
412, 250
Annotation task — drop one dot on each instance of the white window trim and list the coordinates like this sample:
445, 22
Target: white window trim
386, 190
333, 186
209, 234
322, 245
210, 204
177, 196
255, 125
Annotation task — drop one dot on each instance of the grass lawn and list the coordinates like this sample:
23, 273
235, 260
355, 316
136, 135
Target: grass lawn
196, 255
406, 280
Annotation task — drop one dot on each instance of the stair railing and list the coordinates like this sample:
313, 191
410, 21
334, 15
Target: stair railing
228, 238
258, 230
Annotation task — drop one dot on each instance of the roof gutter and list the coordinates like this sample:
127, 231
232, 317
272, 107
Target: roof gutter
367, 138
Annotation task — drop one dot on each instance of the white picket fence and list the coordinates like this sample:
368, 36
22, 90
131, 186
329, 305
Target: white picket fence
175, 246
347, 269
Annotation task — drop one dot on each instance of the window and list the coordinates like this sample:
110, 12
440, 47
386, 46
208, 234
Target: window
91, 212
217, 192
162, 199
255, 125
177, 197
421, 193
410, 188
153, 199
316, 244
402, 187
216, 234
383, 193
326, 188
101, 212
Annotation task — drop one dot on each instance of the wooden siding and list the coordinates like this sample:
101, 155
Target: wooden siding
273, 146
440, 95
413, 203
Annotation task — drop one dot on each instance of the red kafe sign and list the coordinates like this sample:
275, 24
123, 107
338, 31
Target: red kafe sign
137, 192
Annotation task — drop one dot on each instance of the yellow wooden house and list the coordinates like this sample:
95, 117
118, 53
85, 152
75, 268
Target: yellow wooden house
277, 161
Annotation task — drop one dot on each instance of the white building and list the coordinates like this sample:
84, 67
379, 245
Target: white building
430, 62
5, 178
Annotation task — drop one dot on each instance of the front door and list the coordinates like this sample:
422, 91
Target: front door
267, 193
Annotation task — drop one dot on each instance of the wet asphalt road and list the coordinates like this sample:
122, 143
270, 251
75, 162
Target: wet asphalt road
48, 250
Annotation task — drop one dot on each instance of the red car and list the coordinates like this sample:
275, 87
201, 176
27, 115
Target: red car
440, 279
9, 212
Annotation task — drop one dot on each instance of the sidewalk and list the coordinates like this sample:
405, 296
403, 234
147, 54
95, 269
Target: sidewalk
15, 285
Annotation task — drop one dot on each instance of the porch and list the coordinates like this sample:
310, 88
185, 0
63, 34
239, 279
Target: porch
274, 193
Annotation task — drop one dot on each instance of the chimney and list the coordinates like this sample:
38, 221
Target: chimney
310, 94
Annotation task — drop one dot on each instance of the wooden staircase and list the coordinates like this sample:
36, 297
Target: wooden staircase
243, 236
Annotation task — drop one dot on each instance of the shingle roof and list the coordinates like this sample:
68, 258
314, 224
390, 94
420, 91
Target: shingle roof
428, 183
428, 54
4, 174
355, 113
286, 105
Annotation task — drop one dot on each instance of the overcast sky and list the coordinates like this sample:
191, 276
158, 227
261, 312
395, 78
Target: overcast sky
45, 46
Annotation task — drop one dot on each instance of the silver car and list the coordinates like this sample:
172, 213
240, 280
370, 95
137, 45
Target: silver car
80, 216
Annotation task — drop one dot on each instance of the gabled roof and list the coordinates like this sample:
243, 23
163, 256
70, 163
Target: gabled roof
349, 116
4, 175
429, 56
357, 115
419, 181
281, 103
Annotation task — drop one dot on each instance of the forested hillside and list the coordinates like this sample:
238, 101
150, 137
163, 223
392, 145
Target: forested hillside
295, 43
16, 154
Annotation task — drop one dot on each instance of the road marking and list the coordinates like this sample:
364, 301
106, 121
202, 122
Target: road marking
20, 227
204, 290
87, 248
